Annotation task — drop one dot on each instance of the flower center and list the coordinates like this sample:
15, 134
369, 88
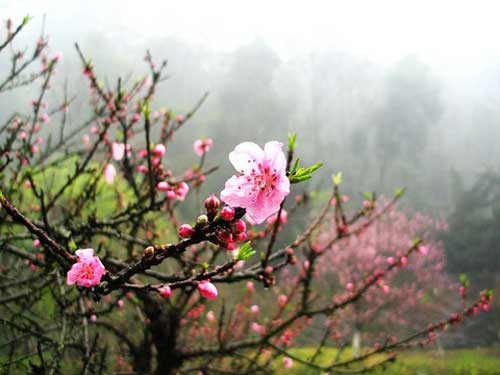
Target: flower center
263, 178
87, 272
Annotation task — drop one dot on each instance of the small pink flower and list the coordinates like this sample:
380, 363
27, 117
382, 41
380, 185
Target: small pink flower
180, 119
282, 300
391, 260
36, 242
181, 191
250, 286
22, 134
143, 153
94, 129
163, 186
87, 271
166, 291
45, 117
159, 150
136, 117
207, 290
142, 169
120, 303
287, 362
254, 309
201, 146
211, 316
85, 139
404, 261
118, 150
109, 173
257, 328
93, 318
349, 287
261, 183
423, 250
345, 198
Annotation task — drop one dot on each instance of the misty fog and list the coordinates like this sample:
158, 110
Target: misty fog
387, 113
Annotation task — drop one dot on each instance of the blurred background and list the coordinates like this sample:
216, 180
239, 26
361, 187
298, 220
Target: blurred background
391, 93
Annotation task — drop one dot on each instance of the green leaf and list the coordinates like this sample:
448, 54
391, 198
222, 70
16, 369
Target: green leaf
337, 179
145, 108
246, 251
292, 138
304, 174
72, 245
27, 18
295, 166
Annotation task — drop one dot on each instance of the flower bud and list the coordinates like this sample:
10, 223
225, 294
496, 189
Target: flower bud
186, 231
207, 290
202, 220
166, 291
239, 226
227, 213
240, 237
212, 205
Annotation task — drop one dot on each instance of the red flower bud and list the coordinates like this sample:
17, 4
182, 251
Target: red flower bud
227, 213
186, 231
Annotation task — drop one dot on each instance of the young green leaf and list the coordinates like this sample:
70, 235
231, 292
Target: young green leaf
337, 179
246, 251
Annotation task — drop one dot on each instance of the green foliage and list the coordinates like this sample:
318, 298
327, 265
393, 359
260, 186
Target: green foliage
246, 251
299, 174
337, 179
464, 280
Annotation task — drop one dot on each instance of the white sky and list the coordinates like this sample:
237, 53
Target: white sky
447, 34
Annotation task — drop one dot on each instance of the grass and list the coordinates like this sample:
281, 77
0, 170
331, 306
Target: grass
484, 361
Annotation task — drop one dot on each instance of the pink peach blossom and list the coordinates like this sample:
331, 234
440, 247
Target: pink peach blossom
118, 150
250, 286
45, 117
163, 186
207, 290
261, 183
166, 291
201, 146
287, 362
109, 173
257, 328
181, 190
87, 271
211, 316
159, 150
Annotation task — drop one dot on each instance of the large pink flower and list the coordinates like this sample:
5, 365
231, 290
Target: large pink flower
261, 183
88, 271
